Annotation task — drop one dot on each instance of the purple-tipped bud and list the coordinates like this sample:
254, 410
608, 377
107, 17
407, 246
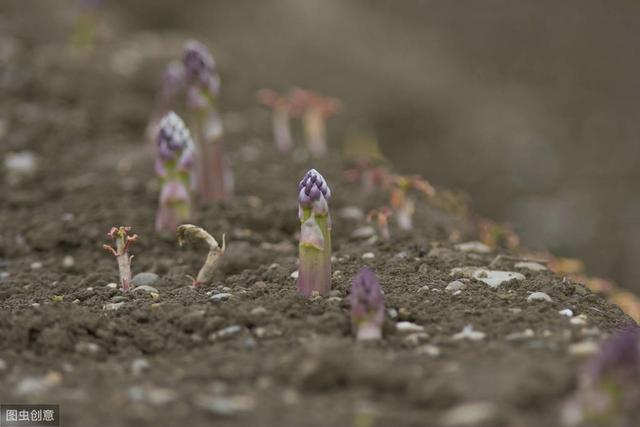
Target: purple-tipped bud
367, 305
200, 67
174, 139
172, 81
313, 188
618, 359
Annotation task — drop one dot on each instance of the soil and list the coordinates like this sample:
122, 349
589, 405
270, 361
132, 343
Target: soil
265, 356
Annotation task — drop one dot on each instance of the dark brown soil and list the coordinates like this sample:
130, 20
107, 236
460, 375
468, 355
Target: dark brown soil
286, 361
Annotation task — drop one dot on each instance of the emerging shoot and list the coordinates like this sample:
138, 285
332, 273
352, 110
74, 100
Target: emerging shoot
402, 202
281, 116
316, 110
120, 235
367, 306
381, 216
314, 275
173, 166
213, 170
193, 232
172, 84
608, 391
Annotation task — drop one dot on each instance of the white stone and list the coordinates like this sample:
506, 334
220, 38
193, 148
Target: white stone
456, 285
351, 212
368, 255
423, 288
539, 296
294, 275
519, 336
221, 296
584, 348
528, 265
429, 350
227, 332
36, 265
113, 306
474, 246
579, 320
139, 365
112, 285
68, 261
468, 333
146, 288
407, 327
493, 278
566, 312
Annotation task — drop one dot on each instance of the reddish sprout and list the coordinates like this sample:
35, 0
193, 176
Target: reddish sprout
282, 111
120, 235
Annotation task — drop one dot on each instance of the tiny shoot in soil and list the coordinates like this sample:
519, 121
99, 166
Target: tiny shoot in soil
120, 235
315, 111
314, 274
173, 166
367, 306
193, 232
213, 170
282, 110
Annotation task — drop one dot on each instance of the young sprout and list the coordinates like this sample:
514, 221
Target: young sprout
367, 306
608, 391
282, 110
316, 109
314, 275
214, 178
173, 166
172, 84
120, 235
381, 217
402, 202
497, 235
193, 232
367, 173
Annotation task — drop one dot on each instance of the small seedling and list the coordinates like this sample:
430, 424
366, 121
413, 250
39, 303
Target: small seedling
172, 83
213, 170
173, 166
281, 114
316, 109
402, 202
314, 275
381, 217
367, 306
120, 235
193, 232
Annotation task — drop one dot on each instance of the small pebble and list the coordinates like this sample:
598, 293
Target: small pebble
393, 313
407, 327
258, 311
477, 247
113, 306
579, 320
471, 414
539, 296
429, 350
36, 265
139, 365
533, 266
144, 279
363, 232
415, 338
423, 288
520, 336
583, 349
455, 286
368, 255
227, 332
3, 365
468, 333
423, 269
112, 285
225, 406
68, 262
4, 275
221, 297
566, 312
146, 288
294, 275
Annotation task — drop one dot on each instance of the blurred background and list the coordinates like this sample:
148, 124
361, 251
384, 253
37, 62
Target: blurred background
531, 107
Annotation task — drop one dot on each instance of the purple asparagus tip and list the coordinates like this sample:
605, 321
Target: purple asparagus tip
367, 305
312, 188
200, 68
619, 357
173, 139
